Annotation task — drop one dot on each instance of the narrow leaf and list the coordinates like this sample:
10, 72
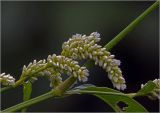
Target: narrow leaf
113, 98
27, 90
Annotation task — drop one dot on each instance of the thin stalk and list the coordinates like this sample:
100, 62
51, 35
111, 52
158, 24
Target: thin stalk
22, 79
131, 26
131, 95
51, 94
30, 102
109, 46
5, 89
59, 90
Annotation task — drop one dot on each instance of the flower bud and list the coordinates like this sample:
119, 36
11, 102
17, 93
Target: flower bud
7, 80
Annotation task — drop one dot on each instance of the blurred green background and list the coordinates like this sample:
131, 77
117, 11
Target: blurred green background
33, 30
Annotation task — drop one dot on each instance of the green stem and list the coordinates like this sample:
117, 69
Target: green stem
67, 83
52, 94
30, 102
131, 95
22, 79
131, 26
59, 90
5, 89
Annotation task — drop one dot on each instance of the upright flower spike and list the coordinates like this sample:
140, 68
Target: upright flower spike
7, 80
83, 47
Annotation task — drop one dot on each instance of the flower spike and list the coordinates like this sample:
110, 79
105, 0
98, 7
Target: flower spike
53, 67
32, 67
69, 66
83, 47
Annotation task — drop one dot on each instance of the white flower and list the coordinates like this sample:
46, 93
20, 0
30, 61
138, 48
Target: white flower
7, 79
85, 47
32, 67
157, 82
77, 35
96, 34
155, 94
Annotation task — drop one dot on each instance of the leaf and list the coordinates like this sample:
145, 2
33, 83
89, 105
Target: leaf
113, 98
84, 86
147, 88
27, 90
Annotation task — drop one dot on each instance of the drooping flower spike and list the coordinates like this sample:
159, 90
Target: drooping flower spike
7, 79
83, 47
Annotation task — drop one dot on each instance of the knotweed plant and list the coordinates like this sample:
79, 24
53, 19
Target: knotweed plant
77, 48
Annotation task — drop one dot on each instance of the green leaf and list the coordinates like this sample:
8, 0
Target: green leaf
27, 90
113, 98
147, 88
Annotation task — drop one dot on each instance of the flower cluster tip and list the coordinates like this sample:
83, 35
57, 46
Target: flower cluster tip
7, 79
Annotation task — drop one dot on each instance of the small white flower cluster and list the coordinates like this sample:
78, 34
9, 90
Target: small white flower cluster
76, 46
32, 67
156, 92
82, 47
7, 79
66, 65
157, 82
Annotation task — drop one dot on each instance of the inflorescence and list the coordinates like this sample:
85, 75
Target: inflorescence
62, 64
53, 67
32, 67
82, 47
7, 79
156, 92
76, 48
